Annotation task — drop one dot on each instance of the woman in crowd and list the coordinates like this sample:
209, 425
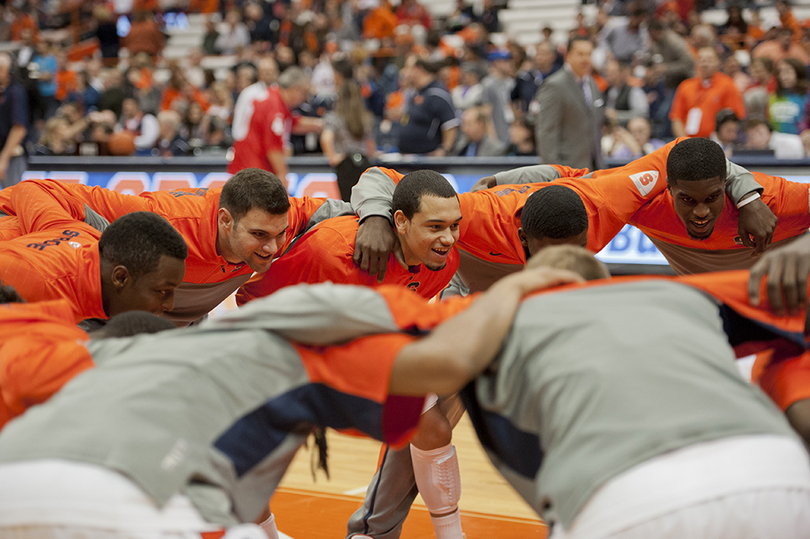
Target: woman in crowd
347, 138
788, 103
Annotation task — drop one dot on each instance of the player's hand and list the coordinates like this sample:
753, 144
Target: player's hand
487, 182
756, 221
533, 279
374, 243
787, 269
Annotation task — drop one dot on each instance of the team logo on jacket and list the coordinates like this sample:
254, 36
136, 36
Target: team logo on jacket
645, 181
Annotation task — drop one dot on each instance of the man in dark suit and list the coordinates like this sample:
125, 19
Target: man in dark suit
474, 140
570, 111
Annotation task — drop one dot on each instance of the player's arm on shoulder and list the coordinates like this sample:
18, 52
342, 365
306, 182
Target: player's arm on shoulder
460, 348
530, 174
372, 198
39, 207
756, 222
787, 269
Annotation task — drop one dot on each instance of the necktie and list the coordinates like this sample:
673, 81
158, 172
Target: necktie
586, 90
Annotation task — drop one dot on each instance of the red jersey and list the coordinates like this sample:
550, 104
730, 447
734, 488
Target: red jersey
40, 350
269, 130
325, 254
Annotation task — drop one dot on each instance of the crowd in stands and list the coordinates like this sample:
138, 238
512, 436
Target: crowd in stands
428, 85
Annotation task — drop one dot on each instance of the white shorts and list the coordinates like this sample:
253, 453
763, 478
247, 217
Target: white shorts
60, 499
746, 487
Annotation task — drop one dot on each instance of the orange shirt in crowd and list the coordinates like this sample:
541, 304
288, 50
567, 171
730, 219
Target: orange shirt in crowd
24, 21
66, 83
41, 349
325, 254
696, 103
203, 6
380, 23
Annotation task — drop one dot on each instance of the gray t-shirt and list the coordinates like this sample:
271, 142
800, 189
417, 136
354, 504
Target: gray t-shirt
595, 381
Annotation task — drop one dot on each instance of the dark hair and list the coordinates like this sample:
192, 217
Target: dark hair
428, 65
802, 82
576, 38
133, 323
254, 188
725, 115
9, 295
755, 121
554, 212
694, 160
655, 25
138, 240
410, 190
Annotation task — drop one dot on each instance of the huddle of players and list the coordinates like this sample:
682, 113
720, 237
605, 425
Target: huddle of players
232, 234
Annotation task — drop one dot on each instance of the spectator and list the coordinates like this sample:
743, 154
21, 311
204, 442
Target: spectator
192, 127
169, 142
787, 19
758, 137
5, 26
259, 25
521, 139
622, 101
430, 125
64, 78
627, 41
755, 96
236, 37
633, 142
380, 22
54, 139
107, 35
347, 138
144, 126
528, 81
698, 100
787, 105
468, 92
731, 67
734, 32
211, 34
144, 35
474, 140
783, 46
568, 124
670, 55
44, 74
271, 125
85, 91
411, 12
257, 91
13, 125
221, 102
497, 91
726, 131
489, 17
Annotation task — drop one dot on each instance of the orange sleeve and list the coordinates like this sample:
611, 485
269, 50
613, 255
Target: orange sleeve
412, 312
489, 224
9, 228
568, 172
39, 208
33, 370
301, 211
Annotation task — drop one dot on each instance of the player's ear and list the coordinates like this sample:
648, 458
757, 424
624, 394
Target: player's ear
120, 277
522, 237
224, 219
400, 222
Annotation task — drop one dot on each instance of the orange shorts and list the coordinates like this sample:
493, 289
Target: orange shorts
785, 382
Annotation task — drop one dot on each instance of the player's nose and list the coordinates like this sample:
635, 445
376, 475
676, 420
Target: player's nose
702, 211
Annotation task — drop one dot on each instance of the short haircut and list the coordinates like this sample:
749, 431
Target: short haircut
410, 190
725, 115
655, 25
428, 65
138, 240
572, 258
254, 188
755, 121
291, 77
694, 160
133, 323
554, 212
9, 295
576, 38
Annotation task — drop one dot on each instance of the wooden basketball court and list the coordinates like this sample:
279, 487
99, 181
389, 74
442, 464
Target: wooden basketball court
308, 510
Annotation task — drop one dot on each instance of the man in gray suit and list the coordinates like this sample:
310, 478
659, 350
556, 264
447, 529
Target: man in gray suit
474, 140
569, 112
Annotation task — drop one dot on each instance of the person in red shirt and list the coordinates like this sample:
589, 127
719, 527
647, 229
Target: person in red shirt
136, 264
231, 231
271, 125
41, 349
698, 100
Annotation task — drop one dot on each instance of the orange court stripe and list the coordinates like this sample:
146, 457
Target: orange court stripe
305, 514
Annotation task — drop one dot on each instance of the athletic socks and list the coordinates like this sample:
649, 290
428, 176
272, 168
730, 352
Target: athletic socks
437, 476
269, 527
